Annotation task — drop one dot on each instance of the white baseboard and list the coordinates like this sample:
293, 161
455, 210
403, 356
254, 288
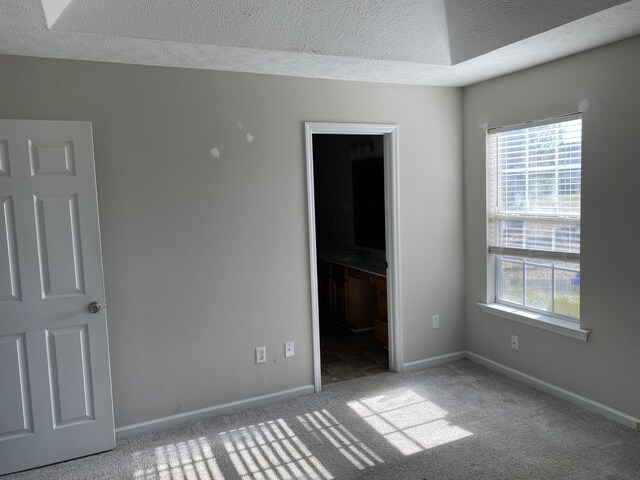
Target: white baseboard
233, 407
584, 402
223, 409
433, 361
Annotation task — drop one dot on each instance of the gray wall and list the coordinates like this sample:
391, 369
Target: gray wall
207, 258
604, 84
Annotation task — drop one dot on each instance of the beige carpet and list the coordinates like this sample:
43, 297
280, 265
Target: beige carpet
456, 421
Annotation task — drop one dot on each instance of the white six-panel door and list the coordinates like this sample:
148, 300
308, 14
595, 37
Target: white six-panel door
55, 383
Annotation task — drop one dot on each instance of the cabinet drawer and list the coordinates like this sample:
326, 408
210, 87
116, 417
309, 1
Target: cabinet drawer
364, 276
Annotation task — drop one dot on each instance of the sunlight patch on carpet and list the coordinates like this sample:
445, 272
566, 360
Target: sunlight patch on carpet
271, 450
189, 460
355, 451
408, 421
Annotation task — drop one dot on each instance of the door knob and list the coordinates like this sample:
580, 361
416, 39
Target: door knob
94, 307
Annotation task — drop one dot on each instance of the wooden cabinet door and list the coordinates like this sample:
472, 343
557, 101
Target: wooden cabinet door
339, 293
382, 332
382, 327
361, 307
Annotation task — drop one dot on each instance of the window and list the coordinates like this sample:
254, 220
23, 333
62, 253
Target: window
534, 177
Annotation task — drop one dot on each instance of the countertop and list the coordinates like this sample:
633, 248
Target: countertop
374, 265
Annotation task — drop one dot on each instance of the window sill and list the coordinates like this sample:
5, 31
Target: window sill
537, 320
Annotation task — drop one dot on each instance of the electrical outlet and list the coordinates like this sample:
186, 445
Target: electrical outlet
288, 349
435, 321
261, 354
514, 342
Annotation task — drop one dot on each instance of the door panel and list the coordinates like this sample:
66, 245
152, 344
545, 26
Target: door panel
15, 414
52, 158
59, 253
70, 375
4, 160
55, 381
9, 269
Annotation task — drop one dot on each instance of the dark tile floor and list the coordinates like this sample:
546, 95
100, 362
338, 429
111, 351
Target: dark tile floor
345, 355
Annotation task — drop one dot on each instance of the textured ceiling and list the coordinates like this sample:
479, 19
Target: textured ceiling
424, 42
402, 30
477, 27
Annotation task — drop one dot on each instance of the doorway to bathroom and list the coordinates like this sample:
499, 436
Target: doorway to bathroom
352, 206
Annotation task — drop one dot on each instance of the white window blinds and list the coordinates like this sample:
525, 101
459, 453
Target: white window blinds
534, 177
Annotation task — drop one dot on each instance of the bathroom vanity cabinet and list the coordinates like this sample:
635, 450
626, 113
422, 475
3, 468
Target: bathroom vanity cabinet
353, 297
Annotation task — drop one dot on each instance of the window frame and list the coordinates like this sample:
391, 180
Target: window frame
497, 258
496, 255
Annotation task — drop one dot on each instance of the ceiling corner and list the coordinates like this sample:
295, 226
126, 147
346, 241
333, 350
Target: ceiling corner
53, 9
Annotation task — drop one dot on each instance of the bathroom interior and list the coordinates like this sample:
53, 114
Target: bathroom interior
349, 192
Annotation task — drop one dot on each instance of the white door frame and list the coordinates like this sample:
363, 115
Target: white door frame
392, 222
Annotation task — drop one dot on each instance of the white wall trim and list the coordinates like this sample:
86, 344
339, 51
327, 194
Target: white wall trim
392, 227
544, 322
223, 409
433, 361
574, 398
